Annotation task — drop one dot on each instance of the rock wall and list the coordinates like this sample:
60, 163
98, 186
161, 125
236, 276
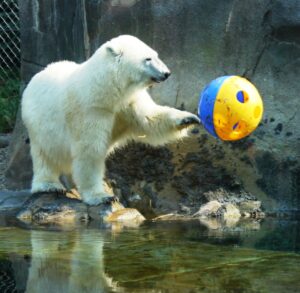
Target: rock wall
199, 40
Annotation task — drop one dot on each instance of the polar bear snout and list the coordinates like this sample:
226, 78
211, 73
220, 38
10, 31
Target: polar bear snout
162, 77
157, 70
166, 75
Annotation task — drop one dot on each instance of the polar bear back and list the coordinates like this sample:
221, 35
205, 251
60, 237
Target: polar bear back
48, 81
43, 106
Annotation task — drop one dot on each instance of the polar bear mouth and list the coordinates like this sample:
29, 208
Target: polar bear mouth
161, 77
156, 79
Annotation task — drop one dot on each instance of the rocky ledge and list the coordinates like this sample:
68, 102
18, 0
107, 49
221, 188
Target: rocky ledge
55, 208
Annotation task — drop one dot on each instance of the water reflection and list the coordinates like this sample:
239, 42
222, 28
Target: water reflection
157, 257
69, 262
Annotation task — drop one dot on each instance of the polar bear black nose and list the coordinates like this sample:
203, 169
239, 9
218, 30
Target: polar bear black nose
167, 74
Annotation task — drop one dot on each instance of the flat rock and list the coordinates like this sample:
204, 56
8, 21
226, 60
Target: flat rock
173, 217
13, 199
4, 140
116, 214
125, 215
231, 211
231, 214
56, 208
210, 209
250, 206
52, 207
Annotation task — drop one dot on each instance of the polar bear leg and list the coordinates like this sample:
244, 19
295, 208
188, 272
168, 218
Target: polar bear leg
89, 155
46, 176
88, 173
155, 124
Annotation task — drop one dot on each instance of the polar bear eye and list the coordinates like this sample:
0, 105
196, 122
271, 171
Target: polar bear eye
148, 59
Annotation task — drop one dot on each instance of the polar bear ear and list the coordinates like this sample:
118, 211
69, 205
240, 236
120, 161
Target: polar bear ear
113, 49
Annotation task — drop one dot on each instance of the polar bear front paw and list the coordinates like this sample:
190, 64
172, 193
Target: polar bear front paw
99, 198
187, 121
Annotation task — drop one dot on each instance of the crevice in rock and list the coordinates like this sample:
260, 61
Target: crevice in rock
33, 63
258, 58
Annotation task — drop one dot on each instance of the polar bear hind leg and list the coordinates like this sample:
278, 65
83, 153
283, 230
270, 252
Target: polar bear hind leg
46, 174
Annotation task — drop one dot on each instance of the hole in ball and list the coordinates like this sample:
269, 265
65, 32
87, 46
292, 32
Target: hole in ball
235, 126
242, 96
257, 112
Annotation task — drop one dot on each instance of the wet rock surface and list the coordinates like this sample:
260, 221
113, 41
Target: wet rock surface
210, 209
52, 207
63, 209
66, 209
13, 199
4, 140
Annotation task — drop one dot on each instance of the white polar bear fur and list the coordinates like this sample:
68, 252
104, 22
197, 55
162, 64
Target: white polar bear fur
77, 113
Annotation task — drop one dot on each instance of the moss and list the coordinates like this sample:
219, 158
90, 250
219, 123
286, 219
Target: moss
9, 102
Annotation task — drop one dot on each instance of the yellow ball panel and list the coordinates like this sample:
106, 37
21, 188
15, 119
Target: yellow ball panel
238, 109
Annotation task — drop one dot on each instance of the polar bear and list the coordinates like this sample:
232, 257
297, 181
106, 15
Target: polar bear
76, 114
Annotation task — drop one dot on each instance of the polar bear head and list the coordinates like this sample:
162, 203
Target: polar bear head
136, 63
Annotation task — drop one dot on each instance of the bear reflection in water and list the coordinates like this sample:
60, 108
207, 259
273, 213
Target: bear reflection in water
67, 262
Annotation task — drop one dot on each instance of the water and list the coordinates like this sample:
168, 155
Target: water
155, 257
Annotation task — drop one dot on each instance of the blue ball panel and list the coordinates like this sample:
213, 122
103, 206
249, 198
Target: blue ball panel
207, 103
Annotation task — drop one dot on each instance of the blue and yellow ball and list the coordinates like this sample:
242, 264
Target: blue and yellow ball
230, 107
